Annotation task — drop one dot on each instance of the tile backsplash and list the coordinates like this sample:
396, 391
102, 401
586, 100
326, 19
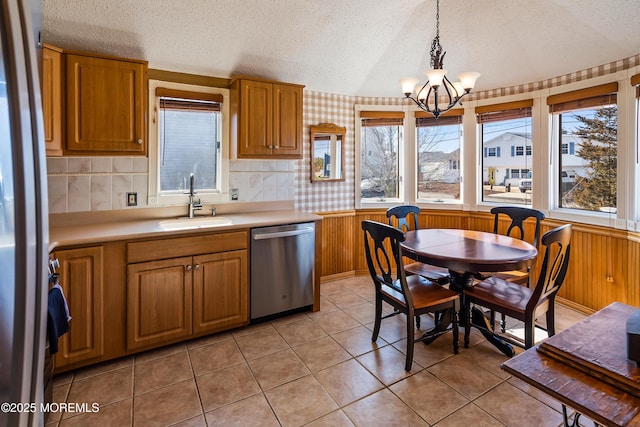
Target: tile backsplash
79, 184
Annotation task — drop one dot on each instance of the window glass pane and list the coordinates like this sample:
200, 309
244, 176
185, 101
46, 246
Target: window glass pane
588, 159
506, 161
379, 161
439, 162
188, 144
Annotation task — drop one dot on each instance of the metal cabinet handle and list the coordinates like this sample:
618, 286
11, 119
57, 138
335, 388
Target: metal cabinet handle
139, 141
197, 266
188, 267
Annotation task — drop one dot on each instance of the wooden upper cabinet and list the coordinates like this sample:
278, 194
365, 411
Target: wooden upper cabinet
266, 119
256, 132
287, 120
52, 99
105, 106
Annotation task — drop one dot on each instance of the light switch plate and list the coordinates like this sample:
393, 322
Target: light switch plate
132, 199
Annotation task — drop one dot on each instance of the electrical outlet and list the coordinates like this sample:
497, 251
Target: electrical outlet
132, 199
234, 193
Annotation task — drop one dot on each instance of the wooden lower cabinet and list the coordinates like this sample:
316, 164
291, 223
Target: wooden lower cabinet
81, 278
172, 299
158, 301
220, 291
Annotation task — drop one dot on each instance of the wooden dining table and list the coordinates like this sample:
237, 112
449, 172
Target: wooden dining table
586, 367
466, 253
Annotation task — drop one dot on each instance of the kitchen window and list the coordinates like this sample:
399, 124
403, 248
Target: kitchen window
438, 147
506, 127
585, 126
189, 135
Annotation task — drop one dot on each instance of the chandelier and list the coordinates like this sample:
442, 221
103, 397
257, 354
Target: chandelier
428, 95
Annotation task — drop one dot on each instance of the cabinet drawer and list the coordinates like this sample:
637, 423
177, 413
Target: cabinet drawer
185, 246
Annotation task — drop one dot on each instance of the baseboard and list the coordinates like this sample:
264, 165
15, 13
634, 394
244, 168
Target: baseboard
575, 306
337, 276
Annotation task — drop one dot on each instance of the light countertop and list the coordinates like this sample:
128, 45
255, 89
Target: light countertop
61, 235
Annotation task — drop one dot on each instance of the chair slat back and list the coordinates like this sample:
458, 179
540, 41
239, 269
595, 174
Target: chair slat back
557, 243
402, 215
384, 257
518, 215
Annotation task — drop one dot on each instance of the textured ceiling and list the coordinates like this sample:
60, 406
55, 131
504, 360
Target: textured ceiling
352, 47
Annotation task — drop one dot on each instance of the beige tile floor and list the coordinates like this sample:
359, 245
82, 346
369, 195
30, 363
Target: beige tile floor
315, 369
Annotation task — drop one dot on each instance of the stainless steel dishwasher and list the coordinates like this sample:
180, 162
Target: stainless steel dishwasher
282, 268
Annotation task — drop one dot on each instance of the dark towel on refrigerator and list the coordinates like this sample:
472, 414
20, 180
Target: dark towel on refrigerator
57, 321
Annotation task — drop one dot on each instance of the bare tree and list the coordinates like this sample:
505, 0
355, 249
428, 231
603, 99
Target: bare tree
379, 159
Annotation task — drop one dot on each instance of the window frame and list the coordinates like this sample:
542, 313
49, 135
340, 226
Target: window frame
456, 114
155, 197
628, 214
498, 110
403, 155
606, 219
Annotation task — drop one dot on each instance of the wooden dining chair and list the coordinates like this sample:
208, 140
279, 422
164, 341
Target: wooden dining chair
406, 218
517, 216
411, 295
524, 303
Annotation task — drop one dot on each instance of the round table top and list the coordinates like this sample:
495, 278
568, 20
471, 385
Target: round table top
468, 250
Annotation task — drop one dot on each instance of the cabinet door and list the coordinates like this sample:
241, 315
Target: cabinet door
81, 280
256, 119
158, 301
52, 100
220, 291
287, 121
105, 106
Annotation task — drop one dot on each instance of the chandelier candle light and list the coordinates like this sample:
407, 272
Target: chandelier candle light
436, 78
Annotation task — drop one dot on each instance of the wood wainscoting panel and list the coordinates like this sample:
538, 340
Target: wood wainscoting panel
337, 243
480, 221
633, 270
444, 219
597, 274
360, 260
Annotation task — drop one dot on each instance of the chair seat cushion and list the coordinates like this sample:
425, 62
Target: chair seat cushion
500, 294
514, 276
424, 293
435, 274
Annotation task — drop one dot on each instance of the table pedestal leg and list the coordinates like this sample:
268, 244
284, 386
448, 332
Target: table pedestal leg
484, 326
442, 319
460, 281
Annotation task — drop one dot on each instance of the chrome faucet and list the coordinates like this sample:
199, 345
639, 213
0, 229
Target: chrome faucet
193, 204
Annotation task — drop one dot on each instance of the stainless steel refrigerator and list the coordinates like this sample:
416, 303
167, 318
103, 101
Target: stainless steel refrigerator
23, 215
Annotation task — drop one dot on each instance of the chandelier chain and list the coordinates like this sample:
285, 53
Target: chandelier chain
438, 18
436, 54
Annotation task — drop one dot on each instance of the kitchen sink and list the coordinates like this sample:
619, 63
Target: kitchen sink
186, 223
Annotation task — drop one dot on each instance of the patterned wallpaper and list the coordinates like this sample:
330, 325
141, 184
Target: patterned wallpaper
337, 109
